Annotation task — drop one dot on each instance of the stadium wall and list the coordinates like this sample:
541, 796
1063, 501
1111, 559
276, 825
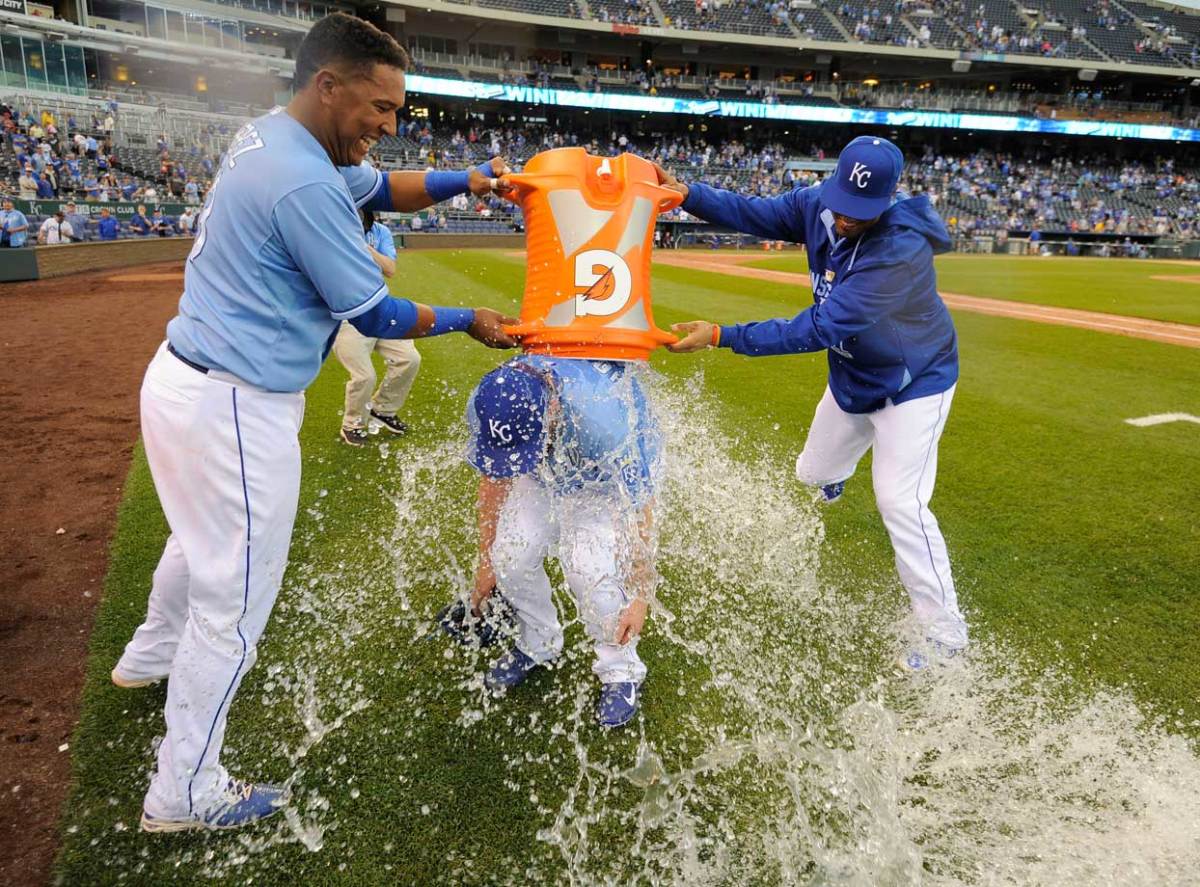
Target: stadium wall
56, 261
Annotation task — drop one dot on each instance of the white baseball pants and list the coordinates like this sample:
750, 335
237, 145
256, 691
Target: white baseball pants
225, 458
905, 440
590, 535
401, 362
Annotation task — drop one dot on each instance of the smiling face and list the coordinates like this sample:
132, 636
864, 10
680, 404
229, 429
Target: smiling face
852, 228
360, 108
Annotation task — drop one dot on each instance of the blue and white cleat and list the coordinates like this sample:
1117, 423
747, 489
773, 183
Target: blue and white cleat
936, 654
510, 670
242, 803
618, 703
833, 492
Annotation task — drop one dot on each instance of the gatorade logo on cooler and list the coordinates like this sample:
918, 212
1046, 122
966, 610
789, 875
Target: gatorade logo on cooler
590, 230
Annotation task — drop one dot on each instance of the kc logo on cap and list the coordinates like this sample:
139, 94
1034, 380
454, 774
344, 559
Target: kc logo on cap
865, 180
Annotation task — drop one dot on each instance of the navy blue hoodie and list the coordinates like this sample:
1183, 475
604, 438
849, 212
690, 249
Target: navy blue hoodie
876, 306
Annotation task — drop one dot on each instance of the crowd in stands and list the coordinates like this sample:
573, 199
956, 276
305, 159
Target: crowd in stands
984, 192
43, 158
988, 192
1095, 30
978, 193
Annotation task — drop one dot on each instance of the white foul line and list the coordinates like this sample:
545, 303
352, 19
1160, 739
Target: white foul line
1163, 419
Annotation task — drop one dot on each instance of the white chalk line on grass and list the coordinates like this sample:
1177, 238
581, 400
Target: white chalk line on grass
1162, 419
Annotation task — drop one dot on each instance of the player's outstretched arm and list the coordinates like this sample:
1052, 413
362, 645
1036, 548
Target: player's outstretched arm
774, 218
411, 191
402, 319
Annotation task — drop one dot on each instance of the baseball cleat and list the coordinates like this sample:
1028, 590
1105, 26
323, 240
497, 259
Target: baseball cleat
937, 654
509, 671
241, 803
391, 423
833, 492
127, 683
618, 703
356, 437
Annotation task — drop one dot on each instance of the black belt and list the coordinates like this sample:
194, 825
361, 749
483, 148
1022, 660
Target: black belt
198, 367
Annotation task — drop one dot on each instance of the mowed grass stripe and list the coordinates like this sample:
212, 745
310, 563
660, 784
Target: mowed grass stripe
1074, 537
1135, 288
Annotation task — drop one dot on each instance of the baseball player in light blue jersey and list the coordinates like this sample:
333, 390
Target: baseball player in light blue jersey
278, 263
892, 349
567, 452
401, 359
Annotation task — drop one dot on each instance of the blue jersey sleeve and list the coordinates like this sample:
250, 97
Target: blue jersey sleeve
860, 301
383, 241
773, 218
319, 229
368, 187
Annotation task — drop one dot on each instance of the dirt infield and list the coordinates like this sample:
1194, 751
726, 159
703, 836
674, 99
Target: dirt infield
1159, 331
75, 349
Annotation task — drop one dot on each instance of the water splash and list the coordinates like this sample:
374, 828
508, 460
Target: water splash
778, 743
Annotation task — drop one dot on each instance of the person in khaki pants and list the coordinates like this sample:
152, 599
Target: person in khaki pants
400, 357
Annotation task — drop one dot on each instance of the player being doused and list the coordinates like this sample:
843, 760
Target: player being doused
567, 452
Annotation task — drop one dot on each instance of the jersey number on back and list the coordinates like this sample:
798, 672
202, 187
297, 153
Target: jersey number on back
247, 139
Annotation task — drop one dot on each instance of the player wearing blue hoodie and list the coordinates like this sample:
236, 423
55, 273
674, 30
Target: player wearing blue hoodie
892, 349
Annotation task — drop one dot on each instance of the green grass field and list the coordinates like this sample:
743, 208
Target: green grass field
776, 744
1135, 289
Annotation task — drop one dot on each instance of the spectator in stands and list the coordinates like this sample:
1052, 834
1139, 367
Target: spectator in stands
13, 225
91, 147
74, 174
27, 185
161, 225
129, 190
45, 189
55, 230
107, 227
191, 191
186, 222
139, 224
78, 222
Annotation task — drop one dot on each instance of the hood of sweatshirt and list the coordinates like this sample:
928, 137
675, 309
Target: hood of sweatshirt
917, 214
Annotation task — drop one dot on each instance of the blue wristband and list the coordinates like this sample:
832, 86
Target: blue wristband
451, 320
444, 185
485, 169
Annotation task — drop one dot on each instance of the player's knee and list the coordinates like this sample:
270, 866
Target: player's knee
896, 507
513, 560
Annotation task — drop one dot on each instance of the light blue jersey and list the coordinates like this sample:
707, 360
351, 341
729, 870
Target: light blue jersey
278, 261
601, 433
381, 239
10, 219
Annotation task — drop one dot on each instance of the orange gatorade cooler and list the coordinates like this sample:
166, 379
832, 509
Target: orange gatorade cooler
589, 225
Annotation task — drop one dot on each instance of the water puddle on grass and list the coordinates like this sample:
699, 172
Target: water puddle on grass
778, 743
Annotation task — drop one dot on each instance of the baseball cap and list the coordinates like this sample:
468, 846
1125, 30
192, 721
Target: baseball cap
509, 407
868, 170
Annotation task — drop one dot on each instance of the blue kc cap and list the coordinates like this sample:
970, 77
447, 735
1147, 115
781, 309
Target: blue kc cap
510, 409
868, 170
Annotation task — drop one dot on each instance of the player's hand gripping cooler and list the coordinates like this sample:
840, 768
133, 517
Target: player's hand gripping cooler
589, 232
